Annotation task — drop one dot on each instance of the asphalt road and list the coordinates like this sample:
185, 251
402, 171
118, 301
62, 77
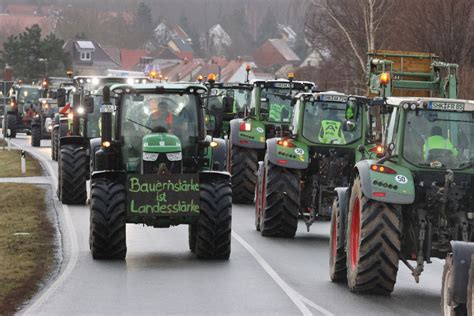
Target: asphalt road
263, 276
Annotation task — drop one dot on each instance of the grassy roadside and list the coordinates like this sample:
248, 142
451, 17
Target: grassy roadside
10, 164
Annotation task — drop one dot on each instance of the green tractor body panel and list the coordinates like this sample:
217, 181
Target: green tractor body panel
394, 184
249, 133
161, 143
294, 156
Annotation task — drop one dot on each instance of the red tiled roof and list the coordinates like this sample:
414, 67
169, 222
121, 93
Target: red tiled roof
230, 70
182, 71
218, 60
206, 70
131, 57
178, 30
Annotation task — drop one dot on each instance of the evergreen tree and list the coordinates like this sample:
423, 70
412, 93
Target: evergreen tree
31, 57
268, 28
143, 23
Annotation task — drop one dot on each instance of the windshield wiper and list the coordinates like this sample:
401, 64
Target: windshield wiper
467, 164
147, 127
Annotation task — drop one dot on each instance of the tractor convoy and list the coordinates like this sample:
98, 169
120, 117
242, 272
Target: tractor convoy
393, 170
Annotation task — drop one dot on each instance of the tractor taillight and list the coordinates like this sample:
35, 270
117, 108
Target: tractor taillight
382, 169
285, 143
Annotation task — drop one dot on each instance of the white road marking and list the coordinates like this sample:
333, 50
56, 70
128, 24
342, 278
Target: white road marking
72, 238
298, 299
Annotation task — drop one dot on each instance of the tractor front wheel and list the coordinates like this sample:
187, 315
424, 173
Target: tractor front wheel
107, 220
12, 122
280, 201
72, 169
470, 290
35, 136
372, 243
244, 163
54, 144
337, 256
213, 228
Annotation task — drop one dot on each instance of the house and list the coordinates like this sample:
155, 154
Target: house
274, 54
312, 60
287, 34
89, 58
235, 71
131, 58
181, 48
219, 40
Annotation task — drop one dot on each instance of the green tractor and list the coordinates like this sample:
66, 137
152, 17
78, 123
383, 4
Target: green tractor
268, 115
329, 134
226, 101
155, 167
42, 122
80, 134
411, 203
19, 112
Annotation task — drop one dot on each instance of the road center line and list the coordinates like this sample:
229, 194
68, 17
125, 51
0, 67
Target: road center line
298, 299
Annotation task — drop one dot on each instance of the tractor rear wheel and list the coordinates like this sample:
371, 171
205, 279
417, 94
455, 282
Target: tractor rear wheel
258, 196
35, 136
280, 201
108, 220
372, 243
337, 256
54, 144
244, 163
447, 304
73, 177
213, 228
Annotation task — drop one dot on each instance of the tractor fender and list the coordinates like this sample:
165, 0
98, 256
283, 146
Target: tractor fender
219, 153
210, 176
295, 157
119, 175
395, 188
255, 138
343, 196
73, 140
462, 256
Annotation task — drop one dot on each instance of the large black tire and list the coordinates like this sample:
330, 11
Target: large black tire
54, 144
12, 124
214, 226
372, 243
244, 164
470, 290
337, 252
35, 136
281, 196
108, 210
447, 307
258, 197
73, 175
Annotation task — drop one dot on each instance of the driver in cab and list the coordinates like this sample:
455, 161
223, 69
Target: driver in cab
437, 141
161, 116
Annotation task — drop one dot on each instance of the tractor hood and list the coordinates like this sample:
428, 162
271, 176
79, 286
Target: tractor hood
161, 143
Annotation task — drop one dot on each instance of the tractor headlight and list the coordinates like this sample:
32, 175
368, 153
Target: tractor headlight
50, 127
150, 156
174, 156
80, 110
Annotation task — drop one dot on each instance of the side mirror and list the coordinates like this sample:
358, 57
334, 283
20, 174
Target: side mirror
264, 105
228, 103
89, 104
61, 97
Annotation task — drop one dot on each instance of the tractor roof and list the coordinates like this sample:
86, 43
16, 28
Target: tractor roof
332, 96
257, 81
230, 85
158, 87
438, 104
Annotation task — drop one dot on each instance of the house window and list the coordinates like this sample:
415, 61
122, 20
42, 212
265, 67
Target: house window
86, 56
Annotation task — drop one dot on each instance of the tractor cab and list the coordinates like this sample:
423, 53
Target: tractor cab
225, 102
160, 126
431, 134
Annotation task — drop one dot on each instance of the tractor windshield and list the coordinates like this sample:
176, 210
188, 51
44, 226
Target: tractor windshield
277, 102
158, 113
331, 123
439, 139
93, 119
241, 99
28, 95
